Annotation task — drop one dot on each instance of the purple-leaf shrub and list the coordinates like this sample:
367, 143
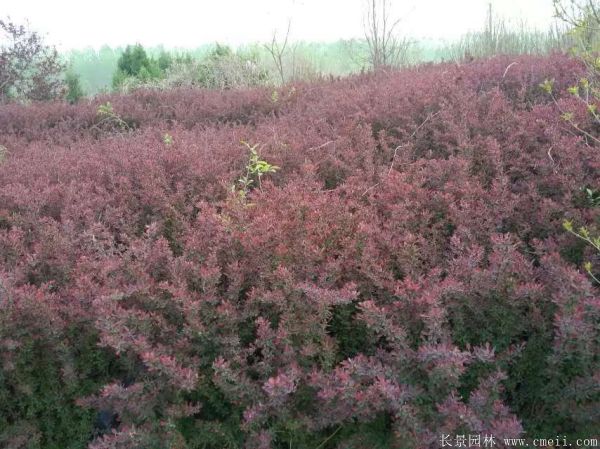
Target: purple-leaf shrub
403, 275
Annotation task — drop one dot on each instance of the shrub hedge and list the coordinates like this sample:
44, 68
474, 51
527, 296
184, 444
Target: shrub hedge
402, 276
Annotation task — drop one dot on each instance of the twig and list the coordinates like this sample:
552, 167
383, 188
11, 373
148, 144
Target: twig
369, 189
417, 129
277, 51
321, 146
429, 117
585, 133
509, 66
551, 158
328, 438
571, 122
4, 291
550, 155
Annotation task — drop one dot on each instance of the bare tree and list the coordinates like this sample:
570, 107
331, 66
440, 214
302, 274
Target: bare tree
277, 51
385, 47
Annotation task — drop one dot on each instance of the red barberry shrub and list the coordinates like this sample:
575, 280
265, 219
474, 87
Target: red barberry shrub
404, 275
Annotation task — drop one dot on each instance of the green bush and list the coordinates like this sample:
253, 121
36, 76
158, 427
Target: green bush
135, 64
74, 90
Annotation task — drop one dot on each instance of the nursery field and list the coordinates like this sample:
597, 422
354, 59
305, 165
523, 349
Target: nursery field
366, 263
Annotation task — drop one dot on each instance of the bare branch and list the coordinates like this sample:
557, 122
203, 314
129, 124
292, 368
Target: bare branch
414, 133
384, 46
277, 52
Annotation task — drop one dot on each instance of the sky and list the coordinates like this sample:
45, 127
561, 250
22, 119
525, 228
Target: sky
71, 24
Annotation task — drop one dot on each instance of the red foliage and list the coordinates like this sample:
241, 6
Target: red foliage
406, 263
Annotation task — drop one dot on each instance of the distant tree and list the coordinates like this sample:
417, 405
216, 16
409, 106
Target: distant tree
119, 78
135, 63
223, 68
165, 60
183, 58
74, 90
133, 59
29, 69
385, 47
96, 68
221, 51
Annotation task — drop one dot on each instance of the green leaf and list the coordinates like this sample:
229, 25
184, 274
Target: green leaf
567, 116
547, 86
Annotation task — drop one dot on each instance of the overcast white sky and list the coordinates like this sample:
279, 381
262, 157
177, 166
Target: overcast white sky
191, 23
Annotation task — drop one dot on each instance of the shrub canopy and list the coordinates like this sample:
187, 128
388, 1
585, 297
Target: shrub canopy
403, 275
